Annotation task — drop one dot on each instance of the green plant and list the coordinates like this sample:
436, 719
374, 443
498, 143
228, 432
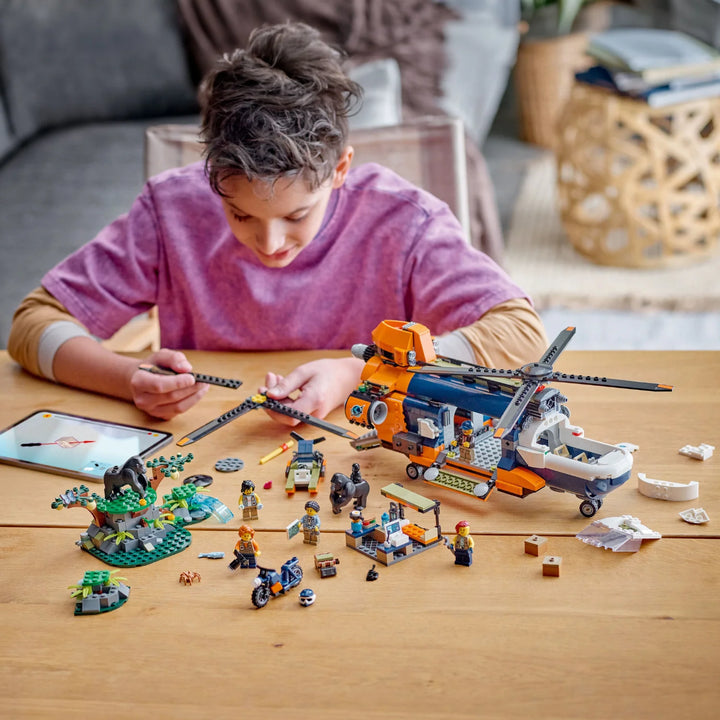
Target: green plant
95, 581
120, 536
567, 11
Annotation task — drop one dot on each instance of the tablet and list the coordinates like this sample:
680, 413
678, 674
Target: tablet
80, 447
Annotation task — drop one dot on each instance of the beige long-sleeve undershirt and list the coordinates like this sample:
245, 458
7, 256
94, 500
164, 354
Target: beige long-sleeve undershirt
508, 335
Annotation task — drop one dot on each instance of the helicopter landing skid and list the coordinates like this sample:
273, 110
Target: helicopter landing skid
461, 484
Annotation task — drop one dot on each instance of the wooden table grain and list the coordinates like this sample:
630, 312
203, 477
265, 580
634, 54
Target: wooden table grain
616, 635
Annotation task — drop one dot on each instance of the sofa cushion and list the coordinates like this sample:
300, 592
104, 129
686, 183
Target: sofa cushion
6, 140
65, 61
382, 94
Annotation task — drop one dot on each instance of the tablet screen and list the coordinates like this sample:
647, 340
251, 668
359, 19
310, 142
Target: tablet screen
74, 445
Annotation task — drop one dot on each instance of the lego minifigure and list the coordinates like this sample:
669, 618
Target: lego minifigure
462, 545
310, 523
356, 521
249, 500
246, 549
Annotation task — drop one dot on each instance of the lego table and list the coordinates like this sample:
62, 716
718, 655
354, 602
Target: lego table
617, 634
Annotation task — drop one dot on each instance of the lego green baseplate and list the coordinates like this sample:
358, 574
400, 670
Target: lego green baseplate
176, 540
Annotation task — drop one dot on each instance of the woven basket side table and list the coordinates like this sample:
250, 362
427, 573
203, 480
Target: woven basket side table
639, 186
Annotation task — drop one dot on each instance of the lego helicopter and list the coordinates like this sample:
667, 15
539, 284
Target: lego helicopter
474, 429
466, 427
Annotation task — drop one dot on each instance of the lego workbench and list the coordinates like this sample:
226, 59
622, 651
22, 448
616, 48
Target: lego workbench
608, 634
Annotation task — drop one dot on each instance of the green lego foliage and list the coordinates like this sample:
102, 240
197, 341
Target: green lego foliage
176, 463
96, 577
76, 496
95, 581
119, 536
127, 501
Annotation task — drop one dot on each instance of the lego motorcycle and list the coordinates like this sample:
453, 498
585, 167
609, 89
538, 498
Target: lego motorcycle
270, 583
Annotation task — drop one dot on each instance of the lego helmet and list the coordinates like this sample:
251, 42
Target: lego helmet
307, 597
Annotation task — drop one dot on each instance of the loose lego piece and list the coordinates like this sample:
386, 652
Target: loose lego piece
372, 574
619, 534
664, 490
306, 597
551, 566
343, 489
533, 544
696, 516
462, 546
200, 481
701, 452
188, 577
277, 451
267, 485
99, 591
212, 555
325, 564
249, 501
270, 583
246, 549
230, 464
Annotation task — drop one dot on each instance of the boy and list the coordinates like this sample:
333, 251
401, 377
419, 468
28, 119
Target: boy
275, 243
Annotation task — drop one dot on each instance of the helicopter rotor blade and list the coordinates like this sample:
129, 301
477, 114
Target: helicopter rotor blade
278, 407
557, 346
608, 382
261, 401
515, 409
467, 371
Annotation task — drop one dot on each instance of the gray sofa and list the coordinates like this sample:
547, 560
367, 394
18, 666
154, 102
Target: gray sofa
80, 80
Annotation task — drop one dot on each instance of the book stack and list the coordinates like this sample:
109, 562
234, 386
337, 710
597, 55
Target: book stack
660, 67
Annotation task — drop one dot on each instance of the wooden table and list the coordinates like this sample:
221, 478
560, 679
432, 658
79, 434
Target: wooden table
616, 635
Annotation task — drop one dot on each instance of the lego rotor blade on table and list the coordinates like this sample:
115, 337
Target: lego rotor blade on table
277, 406
262, 401
238, 411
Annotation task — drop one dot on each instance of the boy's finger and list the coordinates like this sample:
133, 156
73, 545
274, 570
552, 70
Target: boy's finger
170, 410
288, 384
282, 419
150, 401
173, 359
145, 382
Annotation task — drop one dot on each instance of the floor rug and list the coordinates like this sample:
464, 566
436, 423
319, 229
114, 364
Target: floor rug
543, 262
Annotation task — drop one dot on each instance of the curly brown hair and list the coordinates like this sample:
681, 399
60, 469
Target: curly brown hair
277, 109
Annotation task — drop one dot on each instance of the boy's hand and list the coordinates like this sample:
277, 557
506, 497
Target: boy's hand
165, 396
323, 385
